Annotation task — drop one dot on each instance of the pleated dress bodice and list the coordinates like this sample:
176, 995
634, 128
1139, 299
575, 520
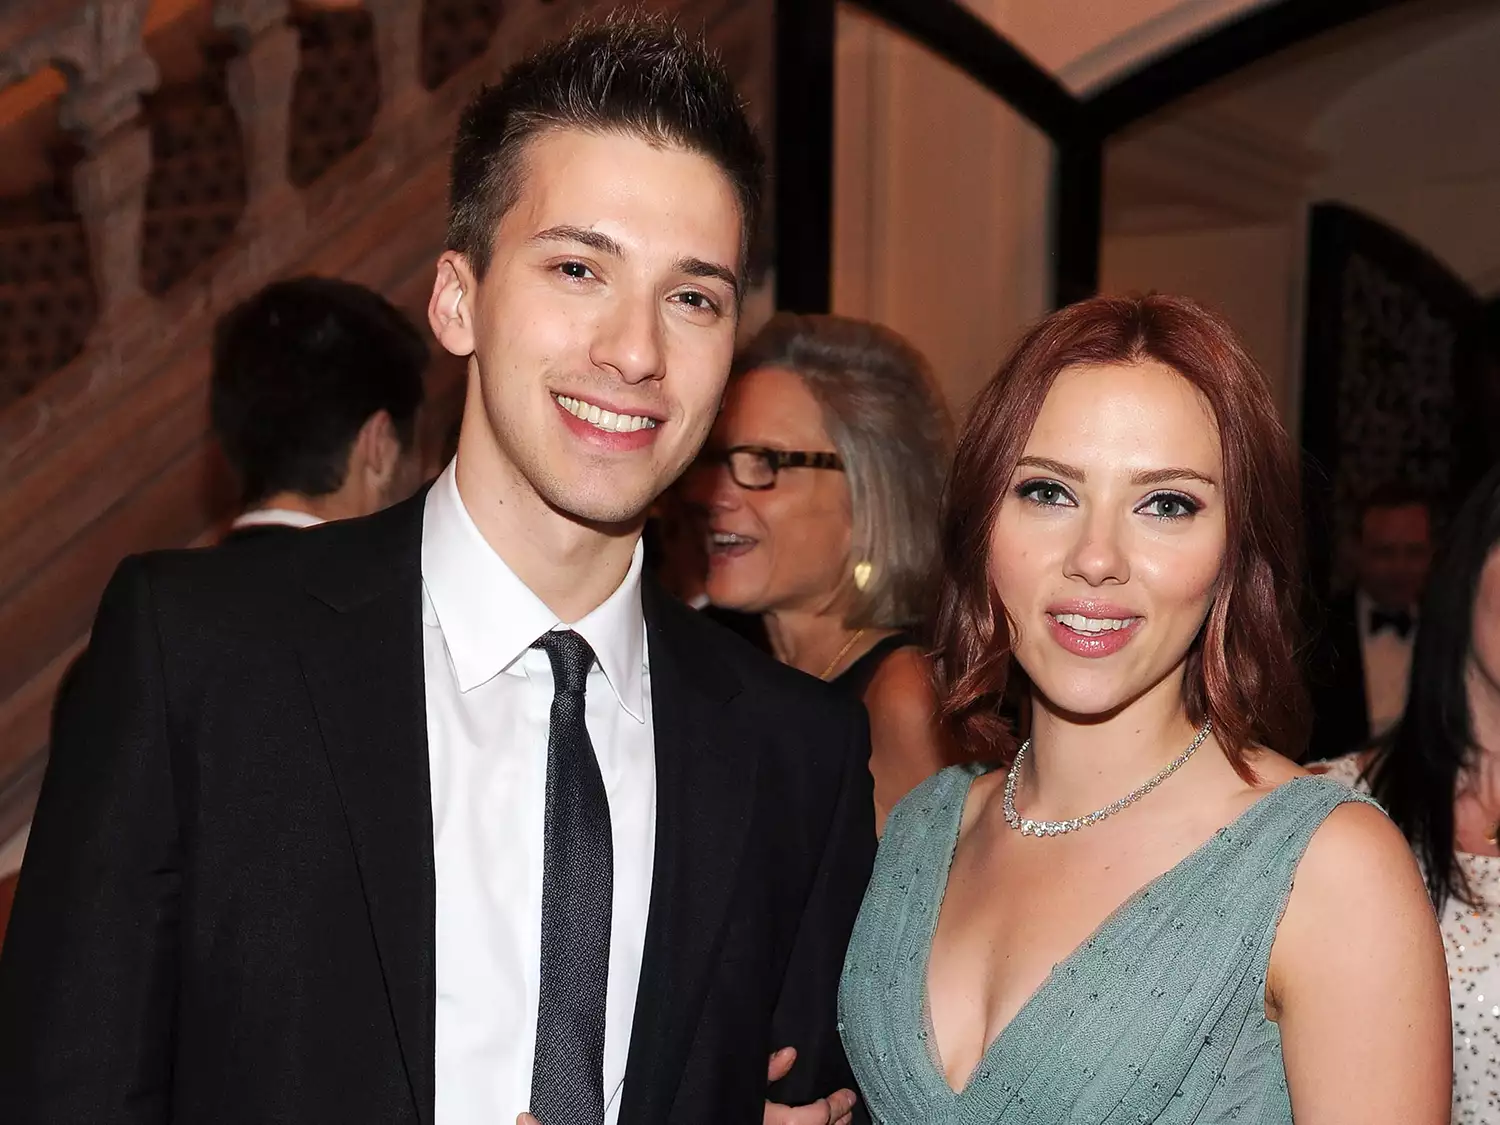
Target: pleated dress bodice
1159, 1016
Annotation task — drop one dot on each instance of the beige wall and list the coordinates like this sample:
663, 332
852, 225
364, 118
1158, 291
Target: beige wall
1417, 145
1088, 43
940, 213
942, 191
1250, 274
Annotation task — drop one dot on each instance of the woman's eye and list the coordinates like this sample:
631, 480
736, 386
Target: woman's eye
1169, 506
1047, 493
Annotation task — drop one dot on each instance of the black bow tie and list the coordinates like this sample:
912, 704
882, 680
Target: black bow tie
1397, 621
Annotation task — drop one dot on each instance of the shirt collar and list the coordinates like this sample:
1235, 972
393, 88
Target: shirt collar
1364, 606
489, 617
277, 517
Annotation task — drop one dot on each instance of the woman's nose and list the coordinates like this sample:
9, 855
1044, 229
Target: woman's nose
1099, 556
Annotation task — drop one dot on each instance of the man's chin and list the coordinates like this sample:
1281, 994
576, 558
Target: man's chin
613, 513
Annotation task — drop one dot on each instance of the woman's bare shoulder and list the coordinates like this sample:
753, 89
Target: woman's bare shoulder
902, 687
1270, 768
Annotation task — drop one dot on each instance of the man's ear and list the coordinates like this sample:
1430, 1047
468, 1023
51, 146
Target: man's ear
450, 311
376, 452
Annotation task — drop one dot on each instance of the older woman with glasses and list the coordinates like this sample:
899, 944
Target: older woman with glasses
820, 489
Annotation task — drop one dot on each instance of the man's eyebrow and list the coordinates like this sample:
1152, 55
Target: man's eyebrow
595, 240
697, 267
602, 243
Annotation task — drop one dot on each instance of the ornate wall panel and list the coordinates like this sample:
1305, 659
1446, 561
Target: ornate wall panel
1391, 380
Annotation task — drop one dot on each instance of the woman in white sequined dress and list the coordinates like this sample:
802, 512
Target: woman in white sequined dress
1438, 775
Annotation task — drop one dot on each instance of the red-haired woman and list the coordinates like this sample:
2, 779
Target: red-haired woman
1106, 927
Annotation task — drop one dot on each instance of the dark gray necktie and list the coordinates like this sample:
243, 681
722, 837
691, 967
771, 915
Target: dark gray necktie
567, 1082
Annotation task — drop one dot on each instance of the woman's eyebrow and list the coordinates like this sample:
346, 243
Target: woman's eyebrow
1055, 467
1165, 476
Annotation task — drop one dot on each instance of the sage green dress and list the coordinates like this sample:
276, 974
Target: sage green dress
1158, 1017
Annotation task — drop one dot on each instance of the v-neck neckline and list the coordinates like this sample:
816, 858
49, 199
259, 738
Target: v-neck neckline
1112, 919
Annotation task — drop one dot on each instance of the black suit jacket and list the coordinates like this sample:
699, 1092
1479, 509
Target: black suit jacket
227, 908
255, 531
1341, 714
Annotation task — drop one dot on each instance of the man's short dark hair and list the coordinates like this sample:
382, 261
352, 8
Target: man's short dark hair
635, 74
1391, 494
297, 370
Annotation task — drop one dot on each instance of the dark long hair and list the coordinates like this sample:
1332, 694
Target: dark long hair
1415, 771
1242, 670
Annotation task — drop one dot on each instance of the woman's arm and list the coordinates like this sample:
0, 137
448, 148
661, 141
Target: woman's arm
1358, 982
906, 743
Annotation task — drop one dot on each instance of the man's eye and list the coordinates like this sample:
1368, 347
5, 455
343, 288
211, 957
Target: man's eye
695, 300
575, 270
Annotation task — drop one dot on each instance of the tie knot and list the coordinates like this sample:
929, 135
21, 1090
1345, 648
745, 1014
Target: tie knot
570, 655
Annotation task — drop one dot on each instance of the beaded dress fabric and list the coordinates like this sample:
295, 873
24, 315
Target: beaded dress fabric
1158, 1017
1472, 947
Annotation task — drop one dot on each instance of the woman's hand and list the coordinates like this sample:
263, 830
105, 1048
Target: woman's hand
836, 1109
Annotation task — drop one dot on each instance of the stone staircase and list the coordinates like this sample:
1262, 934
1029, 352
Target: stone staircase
197, 191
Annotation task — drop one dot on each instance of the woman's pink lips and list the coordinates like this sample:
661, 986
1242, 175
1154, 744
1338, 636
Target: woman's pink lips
1092, 645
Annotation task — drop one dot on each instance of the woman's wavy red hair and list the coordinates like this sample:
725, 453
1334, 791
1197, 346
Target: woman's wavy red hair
1242, 670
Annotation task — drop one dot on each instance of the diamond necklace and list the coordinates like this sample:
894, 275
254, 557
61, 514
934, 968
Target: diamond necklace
1030, 827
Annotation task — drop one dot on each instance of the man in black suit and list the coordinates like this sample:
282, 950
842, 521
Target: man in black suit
314, 394
446, 813
1363, 658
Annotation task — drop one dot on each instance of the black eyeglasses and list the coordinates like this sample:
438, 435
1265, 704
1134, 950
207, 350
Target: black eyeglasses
755, 467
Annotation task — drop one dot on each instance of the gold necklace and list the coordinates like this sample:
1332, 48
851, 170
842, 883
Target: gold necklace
843, 652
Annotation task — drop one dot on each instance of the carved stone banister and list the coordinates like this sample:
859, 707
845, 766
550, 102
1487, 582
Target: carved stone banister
97, 45
249, 18
109, 188
260, 81
398, 44
24, 28
109, 72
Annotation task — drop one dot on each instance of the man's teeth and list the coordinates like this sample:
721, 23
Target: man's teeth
1080, 624
728, 539
605, 419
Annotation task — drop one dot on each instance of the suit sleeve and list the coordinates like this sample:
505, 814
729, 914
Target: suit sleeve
806, 1015
88, 972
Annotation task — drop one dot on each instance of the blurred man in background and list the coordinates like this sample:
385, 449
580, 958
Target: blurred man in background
314, 396
1364, 657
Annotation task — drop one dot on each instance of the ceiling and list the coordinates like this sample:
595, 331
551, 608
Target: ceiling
1380, 113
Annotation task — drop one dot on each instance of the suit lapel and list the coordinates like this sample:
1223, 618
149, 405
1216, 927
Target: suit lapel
362, 659
705, 786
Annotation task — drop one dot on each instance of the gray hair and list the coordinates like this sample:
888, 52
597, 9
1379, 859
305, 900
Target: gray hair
886, 417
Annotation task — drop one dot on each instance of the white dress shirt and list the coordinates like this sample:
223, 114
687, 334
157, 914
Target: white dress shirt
489, 696
1386, 658
277, 517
